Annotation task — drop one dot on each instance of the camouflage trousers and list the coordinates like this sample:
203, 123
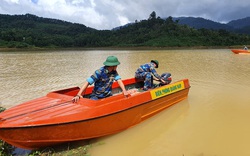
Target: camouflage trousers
147, 77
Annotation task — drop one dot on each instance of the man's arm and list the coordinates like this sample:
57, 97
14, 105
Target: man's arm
125, 93
79, 94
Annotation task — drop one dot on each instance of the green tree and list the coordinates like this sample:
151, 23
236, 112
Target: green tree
152, 15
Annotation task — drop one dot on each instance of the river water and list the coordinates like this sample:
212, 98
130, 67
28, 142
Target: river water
212, 121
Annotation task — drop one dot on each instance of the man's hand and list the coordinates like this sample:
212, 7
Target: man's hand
163, 81
76, 98
125, 93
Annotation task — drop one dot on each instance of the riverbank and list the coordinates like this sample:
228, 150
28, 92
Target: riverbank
118, 48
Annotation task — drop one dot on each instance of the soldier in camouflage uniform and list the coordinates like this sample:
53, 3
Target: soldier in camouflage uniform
103, 79
146, 71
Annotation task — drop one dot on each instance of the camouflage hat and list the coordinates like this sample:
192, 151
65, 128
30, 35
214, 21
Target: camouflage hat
111, 61
155, 62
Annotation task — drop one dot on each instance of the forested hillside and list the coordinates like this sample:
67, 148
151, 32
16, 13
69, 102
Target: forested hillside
28, 31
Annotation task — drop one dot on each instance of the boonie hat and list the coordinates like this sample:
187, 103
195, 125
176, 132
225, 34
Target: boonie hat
111, 61
156, 62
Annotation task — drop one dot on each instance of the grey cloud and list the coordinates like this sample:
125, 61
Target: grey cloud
107, 14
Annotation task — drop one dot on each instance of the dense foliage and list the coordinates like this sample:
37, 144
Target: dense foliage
28, 30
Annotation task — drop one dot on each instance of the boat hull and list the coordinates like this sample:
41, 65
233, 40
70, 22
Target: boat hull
111, 117
240, 51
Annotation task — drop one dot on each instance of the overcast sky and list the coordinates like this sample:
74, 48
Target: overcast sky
108, 14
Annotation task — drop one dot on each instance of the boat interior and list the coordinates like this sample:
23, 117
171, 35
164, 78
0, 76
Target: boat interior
131, 85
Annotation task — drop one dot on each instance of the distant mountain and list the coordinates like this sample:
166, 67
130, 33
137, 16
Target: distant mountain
240, 23
238, 26
199, 23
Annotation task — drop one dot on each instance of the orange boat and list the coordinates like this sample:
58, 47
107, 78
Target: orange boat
240, 51
54, 119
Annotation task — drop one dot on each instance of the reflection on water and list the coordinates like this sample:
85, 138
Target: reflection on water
212, 121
